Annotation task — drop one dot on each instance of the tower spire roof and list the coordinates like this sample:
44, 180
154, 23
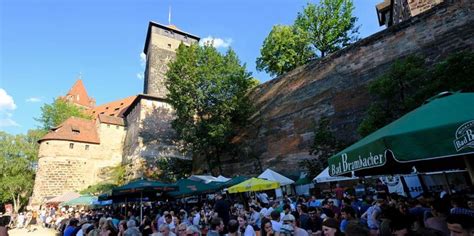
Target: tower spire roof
78, 95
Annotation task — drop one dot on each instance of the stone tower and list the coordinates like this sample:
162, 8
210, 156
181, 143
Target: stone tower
391, 12
160, 48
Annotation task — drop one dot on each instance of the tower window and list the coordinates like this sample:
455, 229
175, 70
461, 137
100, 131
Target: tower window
86, 147
71, 145
169, 45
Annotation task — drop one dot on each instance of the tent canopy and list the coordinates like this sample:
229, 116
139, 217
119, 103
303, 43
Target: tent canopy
208, 178
189, 187
441, 128
142, 185
254, 185
271, 175
324, 177
64, 198
84, 200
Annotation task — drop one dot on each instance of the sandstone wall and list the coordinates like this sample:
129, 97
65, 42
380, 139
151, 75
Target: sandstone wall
63, 169
149, 136
335, 87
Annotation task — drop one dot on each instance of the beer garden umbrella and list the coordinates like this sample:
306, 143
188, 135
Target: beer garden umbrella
435, 136
254, 185
189, 187
83, 200
140, 187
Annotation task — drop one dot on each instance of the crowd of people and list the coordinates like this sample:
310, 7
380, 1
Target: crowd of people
342, 213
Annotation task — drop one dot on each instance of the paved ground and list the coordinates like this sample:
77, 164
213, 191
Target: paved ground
40, 231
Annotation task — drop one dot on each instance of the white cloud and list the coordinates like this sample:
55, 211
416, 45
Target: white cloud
6, 101
7, 122
34, 99
142, 59
216, 42
140, 76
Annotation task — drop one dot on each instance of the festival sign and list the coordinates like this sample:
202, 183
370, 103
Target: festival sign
443, 127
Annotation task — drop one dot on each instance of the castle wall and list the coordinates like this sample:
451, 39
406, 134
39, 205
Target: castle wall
149, 136
336, 87
63, 169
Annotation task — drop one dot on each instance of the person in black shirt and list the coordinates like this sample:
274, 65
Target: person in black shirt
222, 207
314, 223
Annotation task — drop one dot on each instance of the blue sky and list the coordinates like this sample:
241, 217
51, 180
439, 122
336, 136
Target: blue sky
46, 44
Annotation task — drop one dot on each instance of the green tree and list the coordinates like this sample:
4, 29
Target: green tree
324, 146
16, 168
98, 189
114, 176
330, 25
171, 169
285, 48
54, 114
409, 82
395, 93
208, 91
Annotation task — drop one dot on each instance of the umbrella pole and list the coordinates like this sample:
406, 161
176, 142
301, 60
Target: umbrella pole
469, 168
141, 206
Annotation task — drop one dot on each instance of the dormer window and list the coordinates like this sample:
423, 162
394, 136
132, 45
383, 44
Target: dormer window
75, 130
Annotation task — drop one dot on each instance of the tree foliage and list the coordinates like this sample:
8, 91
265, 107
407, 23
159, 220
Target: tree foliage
57, 112
324, 146
285, 48
98, 189
409, 82
114, 176
171, 169
208, 91
317, 31
17, 156
330, 25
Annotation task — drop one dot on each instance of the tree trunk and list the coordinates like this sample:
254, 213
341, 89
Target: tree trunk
209, 167
219, 164
15, 204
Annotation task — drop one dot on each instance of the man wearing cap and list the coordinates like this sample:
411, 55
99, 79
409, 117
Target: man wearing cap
289, 224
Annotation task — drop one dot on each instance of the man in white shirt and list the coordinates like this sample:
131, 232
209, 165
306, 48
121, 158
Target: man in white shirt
196, 218
276, 225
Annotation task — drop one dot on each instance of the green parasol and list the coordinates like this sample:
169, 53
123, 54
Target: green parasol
441, 128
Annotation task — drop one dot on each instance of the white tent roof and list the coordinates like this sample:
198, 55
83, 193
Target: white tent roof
274, 176
222, 178
65, 197
208, 178
324, 177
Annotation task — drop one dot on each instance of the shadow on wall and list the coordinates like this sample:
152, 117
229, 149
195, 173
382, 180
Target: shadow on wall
159, 142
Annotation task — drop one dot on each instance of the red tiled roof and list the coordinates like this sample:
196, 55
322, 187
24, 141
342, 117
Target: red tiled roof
78, 94
115, 108
74, 129
111, 120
